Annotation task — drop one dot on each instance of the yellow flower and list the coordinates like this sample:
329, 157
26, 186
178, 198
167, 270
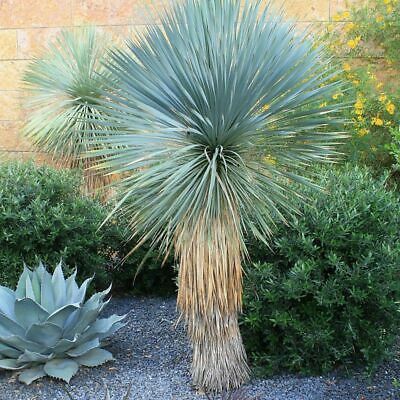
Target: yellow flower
359, 104
382, 97
337, 17
353, 43
387, 1
377, 121
330, 27
379, 18
389, 9
362, 132
356, 82
379, 86
360, 118
270, 160
266, 107
337, 95
349, 27
390, 108
324, 104
346, 14
346, 67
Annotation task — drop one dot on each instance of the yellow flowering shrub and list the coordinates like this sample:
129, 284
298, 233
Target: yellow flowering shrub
366, 41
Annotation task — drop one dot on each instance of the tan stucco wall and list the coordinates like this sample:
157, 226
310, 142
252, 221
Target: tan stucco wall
27, 25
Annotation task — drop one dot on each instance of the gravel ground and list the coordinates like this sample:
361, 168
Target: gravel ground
153, 355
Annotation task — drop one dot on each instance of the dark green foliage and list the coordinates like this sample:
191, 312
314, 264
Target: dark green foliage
326, 296
44, 216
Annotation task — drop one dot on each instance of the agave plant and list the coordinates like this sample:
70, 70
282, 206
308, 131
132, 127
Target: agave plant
47, 327
63, 87
216, 111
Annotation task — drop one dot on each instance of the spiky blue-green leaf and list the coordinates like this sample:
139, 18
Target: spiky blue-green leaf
95, 357
61, 369
32, 374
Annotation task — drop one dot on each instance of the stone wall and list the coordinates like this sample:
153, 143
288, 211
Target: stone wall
27, 25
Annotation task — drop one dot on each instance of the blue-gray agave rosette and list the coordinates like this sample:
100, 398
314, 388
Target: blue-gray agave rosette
47, 327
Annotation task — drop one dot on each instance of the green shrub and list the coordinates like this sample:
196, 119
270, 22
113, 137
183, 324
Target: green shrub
325, 294
44, 216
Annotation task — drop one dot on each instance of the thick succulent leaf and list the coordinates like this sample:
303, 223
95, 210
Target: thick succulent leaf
59, 286
64, 345
97, 298
60, 316
32, 374
102, 327
30, 356
30, 294
20, 292
22, 344
116, 327
9, 351
61, 369
80, 297
84, 348
87, 316
7, 301
11, 364
47, 297
95, 357
46, 334
36, 284
28, 312
9, 327
72, 288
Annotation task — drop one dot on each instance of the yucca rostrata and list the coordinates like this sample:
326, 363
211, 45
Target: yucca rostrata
47, 327
63, 87
215, 111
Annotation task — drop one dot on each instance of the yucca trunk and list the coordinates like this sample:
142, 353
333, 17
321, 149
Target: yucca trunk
210, 298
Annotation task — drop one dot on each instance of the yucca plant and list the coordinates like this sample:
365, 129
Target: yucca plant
63, 88
47, 327
216, 111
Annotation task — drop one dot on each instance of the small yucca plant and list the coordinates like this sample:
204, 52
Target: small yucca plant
47, 327
63, 88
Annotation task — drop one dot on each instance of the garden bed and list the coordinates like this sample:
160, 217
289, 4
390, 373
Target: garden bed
153, 355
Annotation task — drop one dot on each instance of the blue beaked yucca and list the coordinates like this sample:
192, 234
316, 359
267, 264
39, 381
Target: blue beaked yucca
63, 87
215, 111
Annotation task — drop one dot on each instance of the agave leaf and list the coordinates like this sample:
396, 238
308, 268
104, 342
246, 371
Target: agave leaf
64, 345
10, 327
29, 293
61, 369
84, 348
95, 357
59, 286
32, 374
22, 344
11, 364
21, 286
28, 312
47, 297
72, 287
7, 297
46, 334
103, 327
8, 351
36, 285
87, 316
96, 298
60, 316
30, 356
80, 297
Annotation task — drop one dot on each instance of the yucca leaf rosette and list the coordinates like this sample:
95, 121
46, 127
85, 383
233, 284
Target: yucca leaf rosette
47, 327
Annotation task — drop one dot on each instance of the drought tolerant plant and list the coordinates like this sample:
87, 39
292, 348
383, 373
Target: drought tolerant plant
212, 112
44, 216
48, 329
63, 88
328, 293
367, 40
